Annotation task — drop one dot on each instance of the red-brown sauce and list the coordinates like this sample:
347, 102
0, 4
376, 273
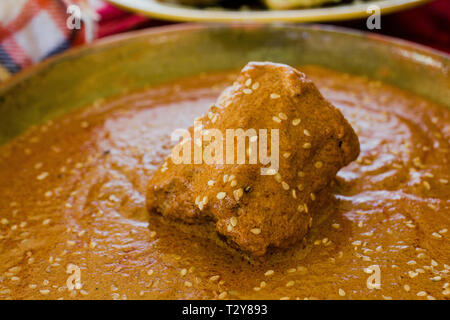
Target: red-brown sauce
73, 192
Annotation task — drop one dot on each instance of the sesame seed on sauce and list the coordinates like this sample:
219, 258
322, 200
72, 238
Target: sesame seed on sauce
278, 177
426, 185
221, 195
214, 278
238, 193
306, 145
290, 283
296, 122
318, 164
269, 273
42, 176
285, 185
274, 96
276, 119
255, 231
282, 116
247, 91
306, 132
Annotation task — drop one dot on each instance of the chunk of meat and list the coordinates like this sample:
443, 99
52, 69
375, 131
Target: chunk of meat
251, 210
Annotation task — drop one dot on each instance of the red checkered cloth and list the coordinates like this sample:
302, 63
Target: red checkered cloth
31, 30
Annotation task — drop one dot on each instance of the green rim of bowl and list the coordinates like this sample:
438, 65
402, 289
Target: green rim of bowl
133, 61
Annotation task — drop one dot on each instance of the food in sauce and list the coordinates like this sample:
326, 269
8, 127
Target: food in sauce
73, 198
313, 141
270, 4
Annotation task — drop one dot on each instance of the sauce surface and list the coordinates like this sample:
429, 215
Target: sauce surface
73, 197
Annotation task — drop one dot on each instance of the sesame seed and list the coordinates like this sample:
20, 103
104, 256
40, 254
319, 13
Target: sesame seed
318, 164
214, 278
436, 235
306, 145
255, 86
421, 294
282, 116
294, 194
336, 225
269, 273
285, 185
406, 287
426, 184
247, 91
42, 176
221, 195
276, 119
248, 82
290, 283
278, 177
300, 187
286, 154
341, 292
211, 183
183, 272
188, 284
307, 133
44, 291
296, 121
238, 193
233, 183
223, 295
233, 221
255, 231
274, 96
443, 181
313, 197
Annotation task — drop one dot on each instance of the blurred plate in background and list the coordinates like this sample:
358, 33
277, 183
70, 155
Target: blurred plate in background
339, 11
